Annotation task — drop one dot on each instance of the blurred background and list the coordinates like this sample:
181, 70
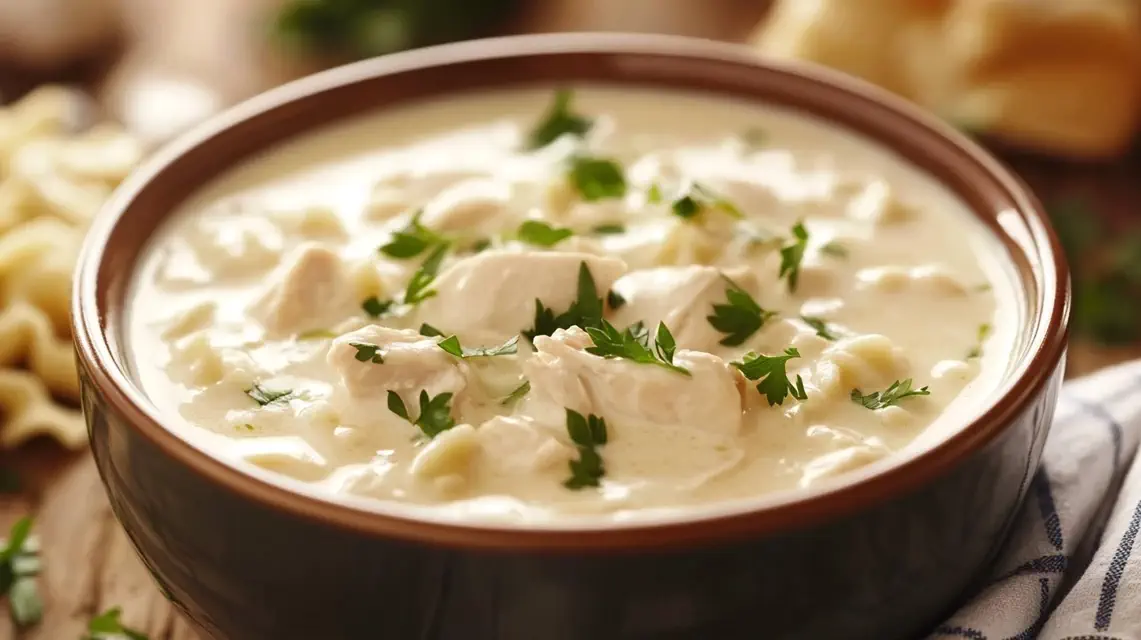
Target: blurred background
89, 87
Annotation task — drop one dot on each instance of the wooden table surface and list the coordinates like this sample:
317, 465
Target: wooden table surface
90, 566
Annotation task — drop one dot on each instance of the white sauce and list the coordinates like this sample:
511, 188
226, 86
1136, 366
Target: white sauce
232, 291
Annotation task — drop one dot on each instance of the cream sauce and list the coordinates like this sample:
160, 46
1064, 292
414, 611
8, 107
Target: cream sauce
258, 284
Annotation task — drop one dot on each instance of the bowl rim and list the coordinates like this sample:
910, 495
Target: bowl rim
94, 342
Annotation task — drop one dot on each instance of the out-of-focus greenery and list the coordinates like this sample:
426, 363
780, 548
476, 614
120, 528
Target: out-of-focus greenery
364, 28
1106, 269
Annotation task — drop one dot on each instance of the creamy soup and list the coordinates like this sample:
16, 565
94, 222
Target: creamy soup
530, 305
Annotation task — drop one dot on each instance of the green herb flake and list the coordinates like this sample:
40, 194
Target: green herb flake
247, 426
316, 334
367, 352
700, 198
654, 194
418, 286
890, 396
430, 331
559, 120
452, 345
412, 240
740, 317
435, 413
517, 394
791, 255
772, 372
541, 234
609, 229
834, 249
821, 327
587, 433
19, 566
614, 300
597, 178
264, 396
108, 626
754, 138
633, 345
585, 311
981, 335
375, 307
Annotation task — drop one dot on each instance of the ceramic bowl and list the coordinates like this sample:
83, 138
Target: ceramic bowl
880, 553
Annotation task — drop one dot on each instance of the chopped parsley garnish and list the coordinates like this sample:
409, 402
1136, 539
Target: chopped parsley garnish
19, 566
316, 334
585, 311
451, 344
772, 373
834, 249
634, 344
587, 433
614, 300
791, 255
435, 413
412, 240
107, 626
418, 290
754, 138
654, 194
609, 229
517, 394
367, 352
597, 178
740, 318
483, 244
247, 426
891, 396
700, 198
558, 121
541, 234
820, 325
430, 331
983, 333
375, 307
264, 396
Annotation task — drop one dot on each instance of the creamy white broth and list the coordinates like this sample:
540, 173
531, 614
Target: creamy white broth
256, 287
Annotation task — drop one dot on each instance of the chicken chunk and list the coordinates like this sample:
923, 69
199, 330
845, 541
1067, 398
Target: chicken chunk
491, 296
681, 297
310, 291
411, 363
564, 375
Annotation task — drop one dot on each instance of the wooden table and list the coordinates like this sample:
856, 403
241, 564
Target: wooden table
90, 566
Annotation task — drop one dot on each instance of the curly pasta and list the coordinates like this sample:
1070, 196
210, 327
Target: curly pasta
54, 176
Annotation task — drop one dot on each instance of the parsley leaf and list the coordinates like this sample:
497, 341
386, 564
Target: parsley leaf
107, 626
983, 333
614, 300
597, 178
585, 311
418, 290
451, 344
820, 325
609, 229
517, 394
316, 334
264, 396
654, 194
558, 121
891, 396
700, 198
541, 234
740, 318
367, 352
19, 566
412, 240
834, 249
587, 433
791, 255
772, 373
633, 344
375, 307
430, 331
435, 413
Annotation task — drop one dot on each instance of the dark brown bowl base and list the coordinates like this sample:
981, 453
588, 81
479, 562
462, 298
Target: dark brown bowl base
884, 558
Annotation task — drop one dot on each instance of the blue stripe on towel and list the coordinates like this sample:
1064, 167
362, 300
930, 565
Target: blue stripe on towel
1116, 570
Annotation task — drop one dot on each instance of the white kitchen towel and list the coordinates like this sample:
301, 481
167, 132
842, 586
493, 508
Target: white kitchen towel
1070, 570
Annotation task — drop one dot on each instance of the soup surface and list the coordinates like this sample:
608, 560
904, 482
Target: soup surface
529, 305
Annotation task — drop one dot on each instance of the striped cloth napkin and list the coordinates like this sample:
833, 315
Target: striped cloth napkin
1070, 570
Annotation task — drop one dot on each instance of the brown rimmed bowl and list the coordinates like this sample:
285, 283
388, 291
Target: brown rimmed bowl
880, 553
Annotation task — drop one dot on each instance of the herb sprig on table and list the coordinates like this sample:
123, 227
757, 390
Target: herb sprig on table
19, 566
